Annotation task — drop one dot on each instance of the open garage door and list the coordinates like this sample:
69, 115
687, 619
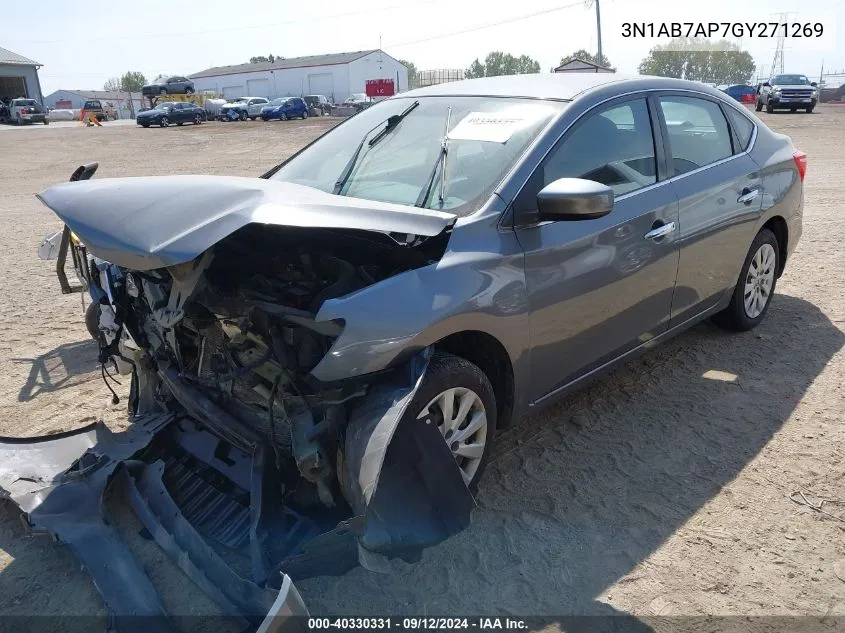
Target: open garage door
258, 87
12, 87
321, 84
233, 92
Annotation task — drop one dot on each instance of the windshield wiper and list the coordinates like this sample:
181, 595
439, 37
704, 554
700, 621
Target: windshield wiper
439, 163
392, 122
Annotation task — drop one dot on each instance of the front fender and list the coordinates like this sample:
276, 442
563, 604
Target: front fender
479, 284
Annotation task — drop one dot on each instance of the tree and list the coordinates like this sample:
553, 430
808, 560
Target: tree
684, 58
412, 72
498, 63
112, 85
132, 81
584, 56
261, 59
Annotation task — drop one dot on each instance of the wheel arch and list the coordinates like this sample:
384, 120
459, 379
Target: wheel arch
778, 226
491, 357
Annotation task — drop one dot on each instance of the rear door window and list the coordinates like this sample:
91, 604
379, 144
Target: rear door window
743, 128
698, 133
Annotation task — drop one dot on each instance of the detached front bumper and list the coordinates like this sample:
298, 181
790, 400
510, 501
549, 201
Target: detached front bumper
404, 489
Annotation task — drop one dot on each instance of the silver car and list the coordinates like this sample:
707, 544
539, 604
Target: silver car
321, 357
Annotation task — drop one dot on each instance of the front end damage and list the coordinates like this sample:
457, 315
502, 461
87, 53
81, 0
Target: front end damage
236, 449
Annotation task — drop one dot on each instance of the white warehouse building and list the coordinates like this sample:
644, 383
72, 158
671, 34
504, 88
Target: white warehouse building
336, 76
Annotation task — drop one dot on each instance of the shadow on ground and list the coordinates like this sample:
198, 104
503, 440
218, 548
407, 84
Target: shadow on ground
66, 365
574, 497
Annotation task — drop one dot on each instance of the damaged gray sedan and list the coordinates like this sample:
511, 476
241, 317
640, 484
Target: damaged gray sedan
320, 357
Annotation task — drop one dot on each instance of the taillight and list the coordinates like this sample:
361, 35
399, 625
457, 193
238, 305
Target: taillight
800, 159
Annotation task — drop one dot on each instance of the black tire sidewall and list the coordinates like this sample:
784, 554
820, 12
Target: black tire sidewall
735, 312
446, 371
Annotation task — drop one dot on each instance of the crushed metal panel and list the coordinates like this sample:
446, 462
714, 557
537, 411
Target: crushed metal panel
144, 223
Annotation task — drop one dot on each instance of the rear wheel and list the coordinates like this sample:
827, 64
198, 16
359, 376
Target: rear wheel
163, 91
304, 115
145, 125
756, 286
164, 121
457, 397
179, 124
197, 119
243, 116
189, 91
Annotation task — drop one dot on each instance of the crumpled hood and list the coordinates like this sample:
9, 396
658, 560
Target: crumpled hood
153, 222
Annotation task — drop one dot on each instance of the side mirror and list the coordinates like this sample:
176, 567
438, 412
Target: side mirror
767, 84
814, 84
574, 199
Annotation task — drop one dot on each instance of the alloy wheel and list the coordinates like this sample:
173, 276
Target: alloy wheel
759, 281
461, 418
164, 121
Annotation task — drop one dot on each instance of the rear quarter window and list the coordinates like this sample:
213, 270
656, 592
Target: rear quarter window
743, 127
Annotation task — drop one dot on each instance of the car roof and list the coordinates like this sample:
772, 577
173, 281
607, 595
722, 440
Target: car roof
555, 86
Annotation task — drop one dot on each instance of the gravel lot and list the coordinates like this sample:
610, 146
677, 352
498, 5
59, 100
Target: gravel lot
664, 489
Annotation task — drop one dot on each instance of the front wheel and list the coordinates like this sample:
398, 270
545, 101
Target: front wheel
92, 320
164, 121
756, 286
810, 109
770, 109
197, 119
457, 396
46, 123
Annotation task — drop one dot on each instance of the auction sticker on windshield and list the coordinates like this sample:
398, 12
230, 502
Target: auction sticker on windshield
495, 127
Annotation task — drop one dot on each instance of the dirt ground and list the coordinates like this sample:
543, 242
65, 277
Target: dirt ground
668, 488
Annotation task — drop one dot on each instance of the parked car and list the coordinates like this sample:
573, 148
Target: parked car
827, 95
244, 107
787, 92
318, 105
284, 109
359, 101
23, 111
167, 113
322, 356
169, 86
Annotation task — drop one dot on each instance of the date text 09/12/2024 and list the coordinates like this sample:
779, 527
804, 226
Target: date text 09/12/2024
722, 29
411, 623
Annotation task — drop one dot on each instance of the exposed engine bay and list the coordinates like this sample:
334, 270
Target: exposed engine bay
236, 448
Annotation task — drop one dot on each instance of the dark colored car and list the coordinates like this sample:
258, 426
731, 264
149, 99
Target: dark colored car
284, 109
787, 92
170, 86
321, 357
318, 105
167, 113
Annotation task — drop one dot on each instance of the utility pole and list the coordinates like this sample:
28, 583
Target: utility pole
598, 28
777, 62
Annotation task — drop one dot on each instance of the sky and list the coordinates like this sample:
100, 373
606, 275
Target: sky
81, 49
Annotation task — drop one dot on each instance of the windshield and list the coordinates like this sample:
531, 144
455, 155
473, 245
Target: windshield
312, 100
24, 102
486, 137
278, 102
791, 80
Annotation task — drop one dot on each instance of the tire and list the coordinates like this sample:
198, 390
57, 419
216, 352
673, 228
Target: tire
46, 123
770, 109
164, 122
447, 372
252, 118
197, 119
189, 91
264, 118
736, 316
163, 91
92, 320
810, 109
243, 116
793, 110
304, 115
283, 117
179, 124
145, 125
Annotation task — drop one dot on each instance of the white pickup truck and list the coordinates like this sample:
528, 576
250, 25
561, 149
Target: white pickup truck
242, 108
20, 111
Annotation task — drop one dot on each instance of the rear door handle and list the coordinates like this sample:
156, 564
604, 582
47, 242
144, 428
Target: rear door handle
661, 231
748, 196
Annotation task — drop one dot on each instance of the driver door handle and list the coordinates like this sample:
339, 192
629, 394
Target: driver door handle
661, 231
